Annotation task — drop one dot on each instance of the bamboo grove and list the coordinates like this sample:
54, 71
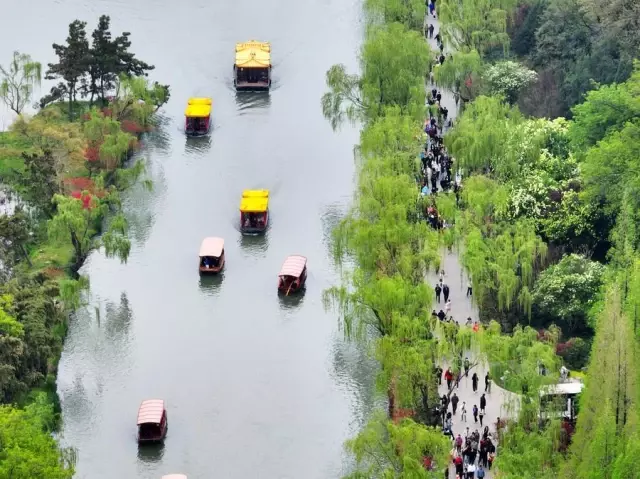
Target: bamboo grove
546, 228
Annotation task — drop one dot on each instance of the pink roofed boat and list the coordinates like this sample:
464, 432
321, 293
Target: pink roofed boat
152, 421
293, 274
211, 255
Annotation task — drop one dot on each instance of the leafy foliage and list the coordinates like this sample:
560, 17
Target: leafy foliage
18, 81
384, 449
28, 449
394, 63
565, 292
508, 78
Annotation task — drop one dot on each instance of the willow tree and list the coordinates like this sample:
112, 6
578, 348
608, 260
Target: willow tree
475, 24
385, 450
374, 304
394, 62
107, 142
408, 12
18, 81
461, 73
77, 221
503, 267
478, 140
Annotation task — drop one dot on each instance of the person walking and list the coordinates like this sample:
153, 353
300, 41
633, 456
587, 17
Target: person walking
466, 367
483, 402
454, 403
439, 374
448, 375
474, 382
480, 473
459, 444
475, 413
445, 291
469, 286
447, 307
481, 416
430, 30
463, 412
487, 383
438, 290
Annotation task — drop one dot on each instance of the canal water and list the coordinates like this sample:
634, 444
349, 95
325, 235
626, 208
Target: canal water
255, 386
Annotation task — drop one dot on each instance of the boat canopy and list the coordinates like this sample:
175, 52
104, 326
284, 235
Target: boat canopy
198, 108
254, 201
253, 54
293, 266
151, 411
211, 247
562, 389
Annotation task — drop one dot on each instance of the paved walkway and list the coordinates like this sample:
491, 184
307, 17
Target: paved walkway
499, 401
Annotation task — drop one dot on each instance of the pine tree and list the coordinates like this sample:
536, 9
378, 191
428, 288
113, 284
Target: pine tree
73, 61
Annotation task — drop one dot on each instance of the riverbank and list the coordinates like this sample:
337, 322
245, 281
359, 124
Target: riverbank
385, 300
61, 171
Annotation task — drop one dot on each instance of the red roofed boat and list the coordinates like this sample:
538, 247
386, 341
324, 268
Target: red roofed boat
152, 421
293, 274
211, 255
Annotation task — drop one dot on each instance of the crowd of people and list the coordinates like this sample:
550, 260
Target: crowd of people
473, 450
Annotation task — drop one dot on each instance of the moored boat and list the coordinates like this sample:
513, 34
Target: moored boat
211, 255
197, 116
252, 68
152, 421
254, 211
293, 274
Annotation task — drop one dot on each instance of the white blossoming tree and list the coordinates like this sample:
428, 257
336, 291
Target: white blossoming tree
508, 78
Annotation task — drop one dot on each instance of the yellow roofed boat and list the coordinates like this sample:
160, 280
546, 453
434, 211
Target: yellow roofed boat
198, 116
254, 211
252, 67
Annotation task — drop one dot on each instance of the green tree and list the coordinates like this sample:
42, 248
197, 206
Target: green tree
608, 415
387, 450
106, 138
77, 220
462, 74
394, 63
73, 61
14, 236
111, 58
475, 24
509, 78
408, 12
566, 291
18, 81
605, 110
28, 449
41, 180
610, 168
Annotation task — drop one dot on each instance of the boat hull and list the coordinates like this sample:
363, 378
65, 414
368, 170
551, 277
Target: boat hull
249, 86
212, 269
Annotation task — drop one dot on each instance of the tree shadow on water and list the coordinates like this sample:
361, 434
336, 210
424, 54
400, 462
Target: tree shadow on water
118, 319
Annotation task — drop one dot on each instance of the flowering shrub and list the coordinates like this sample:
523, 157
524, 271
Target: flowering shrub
133, 127
92, 154
88, 200
79, 184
